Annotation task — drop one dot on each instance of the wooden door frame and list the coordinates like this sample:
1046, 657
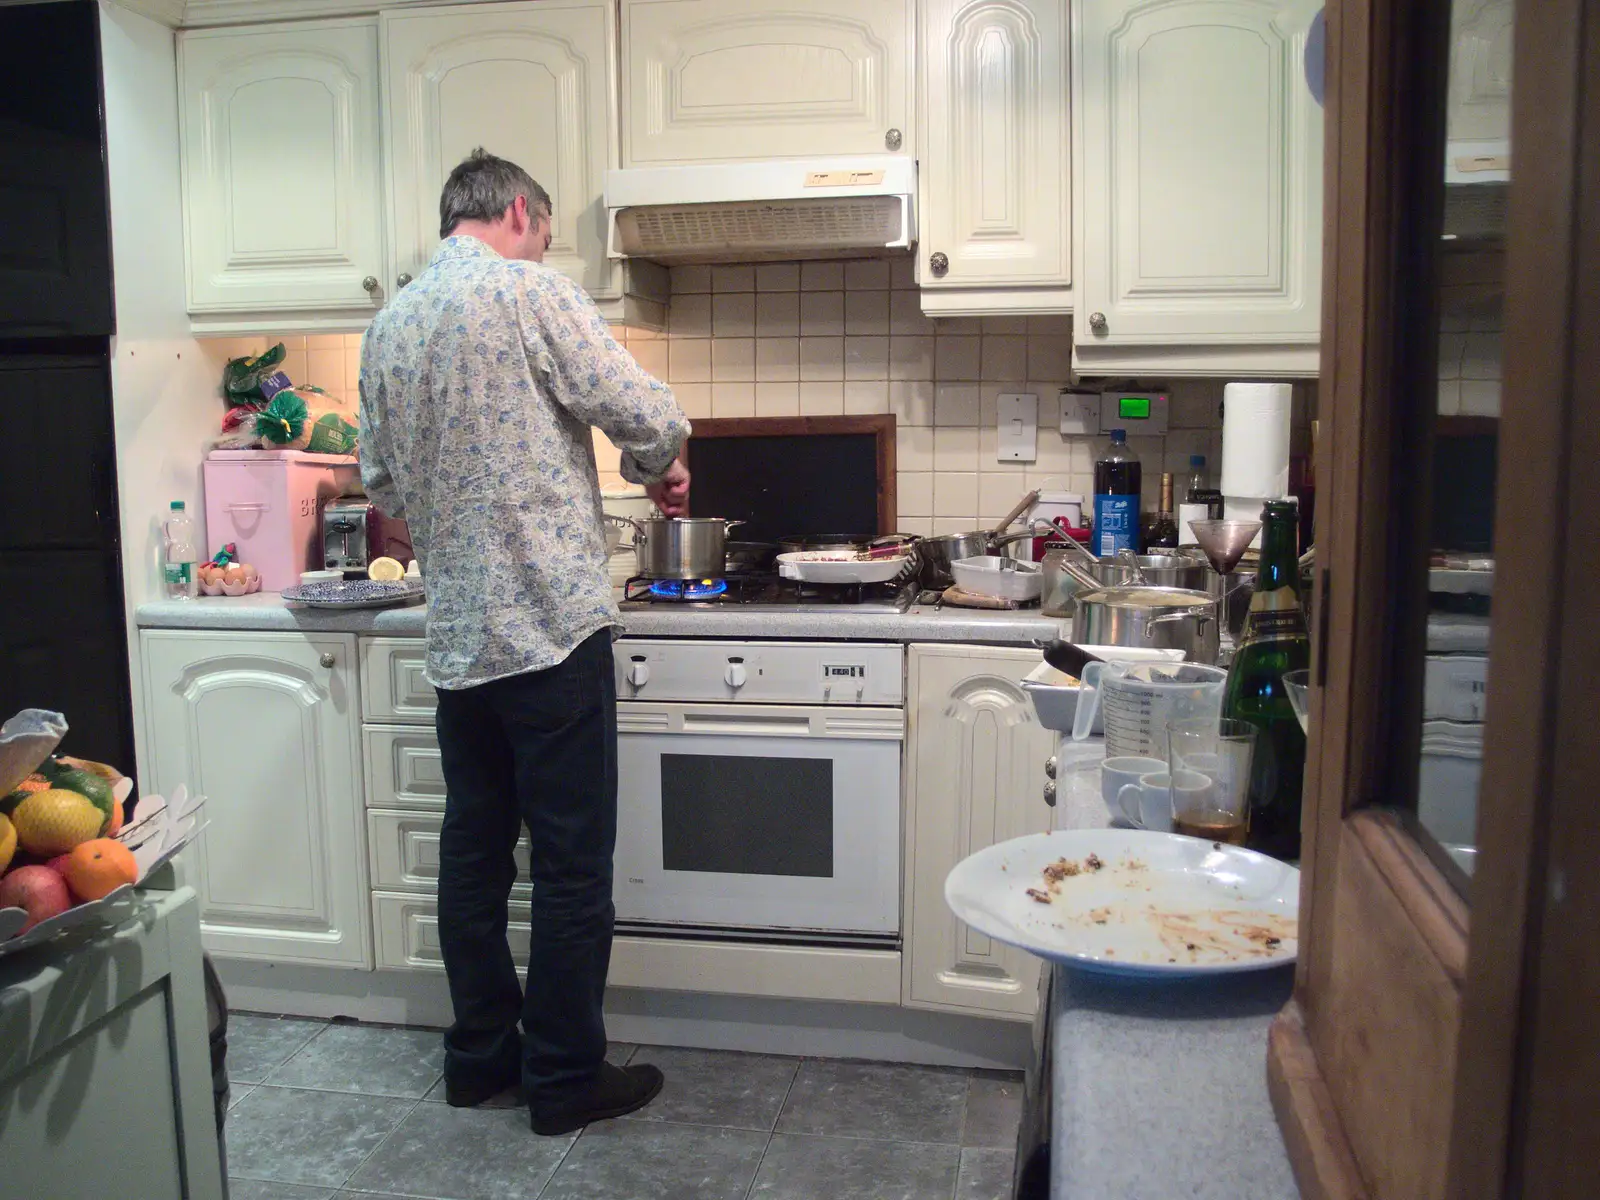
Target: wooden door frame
1403, 1068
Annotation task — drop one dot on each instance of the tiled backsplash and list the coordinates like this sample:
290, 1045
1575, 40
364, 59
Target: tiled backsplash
821, 338
1469, 358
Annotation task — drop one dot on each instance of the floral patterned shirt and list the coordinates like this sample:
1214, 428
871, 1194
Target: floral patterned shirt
479, 383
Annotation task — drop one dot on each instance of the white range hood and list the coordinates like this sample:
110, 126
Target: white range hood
853, 207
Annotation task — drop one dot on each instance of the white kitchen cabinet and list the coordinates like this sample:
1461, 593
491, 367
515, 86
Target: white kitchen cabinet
1479, 108
994, 183
1199, 178
281, 185
532, 82
393, 684
724, 80
267, 727
975, 775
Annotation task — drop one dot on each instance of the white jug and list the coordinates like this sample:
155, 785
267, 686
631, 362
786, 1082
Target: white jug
1142, 699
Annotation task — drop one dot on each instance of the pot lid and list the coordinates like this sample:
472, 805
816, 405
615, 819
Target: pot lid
1136, 596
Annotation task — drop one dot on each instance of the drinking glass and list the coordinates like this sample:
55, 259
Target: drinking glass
1298, 685
1220, 750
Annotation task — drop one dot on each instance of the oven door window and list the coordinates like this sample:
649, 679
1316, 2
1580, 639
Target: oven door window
747, 816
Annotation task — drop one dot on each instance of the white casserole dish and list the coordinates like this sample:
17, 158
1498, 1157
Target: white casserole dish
993, 575
839, 566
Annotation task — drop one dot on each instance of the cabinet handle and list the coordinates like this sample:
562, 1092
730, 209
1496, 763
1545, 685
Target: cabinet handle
892, 140
939, 263
1050, 792
370, 284
403, 279
328, 659
1097, 323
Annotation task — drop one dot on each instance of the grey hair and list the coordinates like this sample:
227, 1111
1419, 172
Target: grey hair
482, 187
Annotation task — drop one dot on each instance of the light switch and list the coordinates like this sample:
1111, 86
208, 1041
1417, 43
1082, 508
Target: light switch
1018, 425
1080, 413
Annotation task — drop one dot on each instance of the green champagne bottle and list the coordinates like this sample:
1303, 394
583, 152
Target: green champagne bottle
1274, 641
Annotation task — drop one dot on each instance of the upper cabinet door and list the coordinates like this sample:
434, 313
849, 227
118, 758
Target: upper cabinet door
281, 194
995, 169
722, 80
1480, 71
1201, 173
533, 83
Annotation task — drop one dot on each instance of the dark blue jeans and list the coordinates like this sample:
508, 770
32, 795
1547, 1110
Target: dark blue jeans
536, 750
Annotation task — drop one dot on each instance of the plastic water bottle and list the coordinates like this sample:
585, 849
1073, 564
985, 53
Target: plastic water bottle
178, 565
1116, 498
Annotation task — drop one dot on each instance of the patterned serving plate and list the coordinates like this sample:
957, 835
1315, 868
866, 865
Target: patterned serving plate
354, 593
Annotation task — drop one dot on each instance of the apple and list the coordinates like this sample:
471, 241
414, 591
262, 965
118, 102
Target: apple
39, 890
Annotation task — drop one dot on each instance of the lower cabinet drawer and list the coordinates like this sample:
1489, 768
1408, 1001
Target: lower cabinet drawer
403, 768
405, 853
405, 932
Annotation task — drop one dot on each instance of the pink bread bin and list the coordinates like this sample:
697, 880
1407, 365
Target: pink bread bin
269, 504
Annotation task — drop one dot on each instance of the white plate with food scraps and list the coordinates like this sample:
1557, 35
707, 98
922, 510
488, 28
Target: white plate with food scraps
1132, 902
839, 566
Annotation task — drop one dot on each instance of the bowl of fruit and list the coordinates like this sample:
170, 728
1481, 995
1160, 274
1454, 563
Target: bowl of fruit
70, 851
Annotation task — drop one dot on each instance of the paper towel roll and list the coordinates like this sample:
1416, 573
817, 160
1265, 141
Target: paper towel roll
1255, 439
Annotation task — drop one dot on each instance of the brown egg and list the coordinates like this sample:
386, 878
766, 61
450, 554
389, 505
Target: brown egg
233, 574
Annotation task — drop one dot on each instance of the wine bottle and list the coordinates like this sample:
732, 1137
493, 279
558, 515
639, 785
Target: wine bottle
1274, 641
1164, 530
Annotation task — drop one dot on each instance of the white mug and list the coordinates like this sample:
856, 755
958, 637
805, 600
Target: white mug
1148, 802
1118, 773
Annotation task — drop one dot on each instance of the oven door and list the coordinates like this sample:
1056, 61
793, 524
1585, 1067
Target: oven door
759, 817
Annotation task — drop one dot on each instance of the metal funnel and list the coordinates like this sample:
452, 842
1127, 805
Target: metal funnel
1225, 542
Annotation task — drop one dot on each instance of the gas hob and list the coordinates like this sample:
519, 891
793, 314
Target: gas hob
765, 593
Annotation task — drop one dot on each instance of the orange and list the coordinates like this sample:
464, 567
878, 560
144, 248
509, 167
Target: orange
96, 869
114, 825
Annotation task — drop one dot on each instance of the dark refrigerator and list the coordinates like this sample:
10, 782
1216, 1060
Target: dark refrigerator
63, 640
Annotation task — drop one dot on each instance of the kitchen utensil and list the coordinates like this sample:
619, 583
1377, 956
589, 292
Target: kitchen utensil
995, 575
1021, 507
1054, 690
355, 593
1069, 658
1151, 801
799, 543
1128, 560
681, 547
840, 566
1152, 898
1218, 751
1062, 578
1125, 771
1224, 542
1298, 685
939, 552
958, 597
1173, 618
1142, 699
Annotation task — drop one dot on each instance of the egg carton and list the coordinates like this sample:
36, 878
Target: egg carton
156, 830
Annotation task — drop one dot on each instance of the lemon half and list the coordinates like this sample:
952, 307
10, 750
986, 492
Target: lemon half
385, 570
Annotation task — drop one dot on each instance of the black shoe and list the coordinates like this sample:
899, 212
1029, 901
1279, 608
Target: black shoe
615, 1092
470, 1095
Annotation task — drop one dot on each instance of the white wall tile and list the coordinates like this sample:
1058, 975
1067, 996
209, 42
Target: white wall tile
914, 493
740, 277
1193, 404
821, 399
777, 359
693, 398
778, 277
690, 280
1449, 397
1480, 397
1007, 326
733, 360
734, 315
866, 358
1056, 325
1452, 349
905, 314
733, 399
1481, 359
911, 358
913, 447
866, 313
955, 448
903, 273
821, 276
955, 496
294, 365
958, 358
822, 314
777, 399
1054, 452
998, 493
821, 358
689, 316
1005, 357
325, 368
1049, 357
652, 356
912, 402
325, 341
690, 360
862, 273
916, 526
989, 453
778, 314
606, 456
956, 404
866, 397
959, 326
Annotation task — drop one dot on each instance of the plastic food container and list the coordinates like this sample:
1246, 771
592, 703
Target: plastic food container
269, 504
1055, 694
993, 575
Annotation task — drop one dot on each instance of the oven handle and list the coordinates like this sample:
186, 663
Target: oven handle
763, 720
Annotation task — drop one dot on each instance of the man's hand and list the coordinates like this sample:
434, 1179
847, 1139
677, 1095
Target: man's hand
671, 494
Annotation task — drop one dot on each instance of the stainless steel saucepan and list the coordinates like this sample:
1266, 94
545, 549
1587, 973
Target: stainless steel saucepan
681, 547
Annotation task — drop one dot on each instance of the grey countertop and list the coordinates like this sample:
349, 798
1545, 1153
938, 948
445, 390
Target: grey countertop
1160, 1088
268, 611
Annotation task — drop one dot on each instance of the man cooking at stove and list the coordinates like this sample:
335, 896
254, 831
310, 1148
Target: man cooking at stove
480, 381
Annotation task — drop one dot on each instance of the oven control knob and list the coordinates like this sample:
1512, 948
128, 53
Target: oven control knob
734, 676
1050, 792
638, 672
1050, 767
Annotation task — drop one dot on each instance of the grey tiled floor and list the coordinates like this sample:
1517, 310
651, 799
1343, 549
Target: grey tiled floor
321, 1110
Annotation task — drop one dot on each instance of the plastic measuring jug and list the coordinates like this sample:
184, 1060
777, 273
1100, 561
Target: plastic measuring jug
1142, 699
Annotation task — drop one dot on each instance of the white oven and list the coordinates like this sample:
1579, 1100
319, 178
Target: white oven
759, 787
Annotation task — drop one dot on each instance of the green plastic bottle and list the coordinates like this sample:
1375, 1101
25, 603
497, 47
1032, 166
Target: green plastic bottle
1274, 641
